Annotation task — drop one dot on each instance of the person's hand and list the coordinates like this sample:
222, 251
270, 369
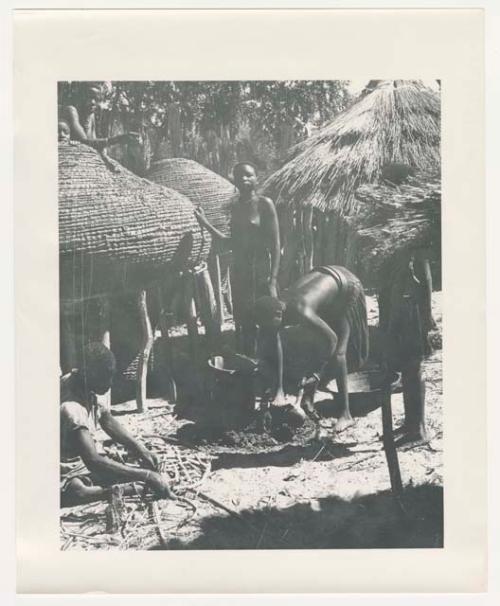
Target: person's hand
132, 137
199, 213
149, 460
159, 485
280, 398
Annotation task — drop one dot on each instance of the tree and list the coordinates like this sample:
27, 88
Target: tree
215, 123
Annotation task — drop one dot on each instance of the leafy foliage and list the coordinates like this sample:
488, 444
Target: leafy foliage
218, 122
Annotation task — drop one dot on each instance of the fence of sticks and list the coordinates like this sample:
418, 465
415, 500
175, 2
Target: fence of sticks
389, 219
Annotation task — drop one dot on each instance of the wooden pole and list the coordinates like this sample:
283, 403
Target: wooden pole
190, 311
317, 238
331, 240
308, 238
226, 272
391, 452
207, 306
147, 339
288, 247
67, 339
215, 275
105, 336
299, 246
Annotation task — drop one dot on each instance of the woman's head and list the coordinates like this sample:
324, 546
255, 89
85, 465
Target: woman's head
245, 176
98, 367
268, 312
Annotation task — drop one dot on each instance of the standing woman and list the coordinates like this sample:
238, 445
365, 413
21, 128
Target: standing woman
255, 244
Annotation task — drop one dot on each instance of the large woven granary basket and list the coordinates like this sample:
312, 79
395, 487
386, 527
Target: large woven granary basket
391, 221
201, 185
118, 231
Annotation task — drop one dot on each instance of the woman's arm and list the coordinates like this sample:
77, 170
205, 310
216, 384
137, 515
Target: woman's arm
204, 222
103, 465
280, 395
273, 231
320, 327
78, 133
120, 434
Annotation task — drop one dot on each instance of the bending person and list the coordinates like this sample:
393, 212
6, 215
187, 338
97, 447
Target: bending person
330, 301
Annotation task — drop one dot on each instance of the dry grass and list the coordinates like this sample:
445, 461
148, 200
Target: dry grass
398, 122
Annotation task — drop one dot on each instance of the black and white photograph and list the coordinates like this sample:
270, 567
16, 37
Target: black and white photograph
250, 294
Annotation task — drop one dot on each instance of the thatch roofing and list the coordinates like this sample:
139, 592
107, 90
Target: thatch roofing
396, 121
392, 220
115, 226
200, 184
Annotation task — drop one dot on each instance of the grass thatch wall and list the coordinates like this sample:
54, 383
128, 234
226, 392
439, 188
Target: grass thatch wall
397, 122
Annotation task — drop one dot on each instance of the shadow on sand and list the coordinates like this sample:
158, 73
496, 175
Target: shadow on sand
366, 522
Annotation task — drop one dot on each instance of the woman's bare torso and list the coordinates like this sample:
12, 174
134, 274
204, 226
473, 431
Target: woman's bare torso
249, 238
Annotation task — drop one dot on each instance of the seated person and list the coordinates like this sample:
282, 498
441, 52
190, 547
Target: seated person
405, 321
80, 116
330, 302
86, 472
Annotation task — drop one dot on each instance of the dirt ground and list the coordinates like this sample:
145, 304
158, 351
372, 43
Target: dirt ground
309, 490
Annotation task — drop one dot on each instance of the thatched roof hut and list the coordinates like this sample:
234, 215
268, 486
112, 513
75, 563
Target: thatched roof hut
391, 220
201, 185
116, 230
393, 121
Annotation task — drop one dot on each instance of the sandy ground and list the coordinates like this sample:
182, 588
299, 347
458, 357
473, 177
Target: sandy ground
322, 491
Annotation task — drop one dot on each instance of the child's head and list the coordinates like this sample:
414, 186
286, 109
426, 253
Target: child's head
268, 312
98, 367
63, 131
245, 176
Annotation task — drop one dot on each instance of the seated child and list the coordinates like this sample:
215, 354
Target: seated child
86, 473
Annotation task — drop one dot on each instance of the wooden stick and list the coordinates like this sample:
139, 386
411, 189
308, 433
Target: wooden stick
318, 238
215, 273
391, 453
229, 294
208, 307
191, 320
155, 515
146, 345
308, 238
288, 246
67, 342
105, 335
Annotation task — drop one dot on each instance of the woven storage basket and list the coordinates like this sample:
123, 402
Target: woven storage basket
392, 220
116, 230
201, 185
